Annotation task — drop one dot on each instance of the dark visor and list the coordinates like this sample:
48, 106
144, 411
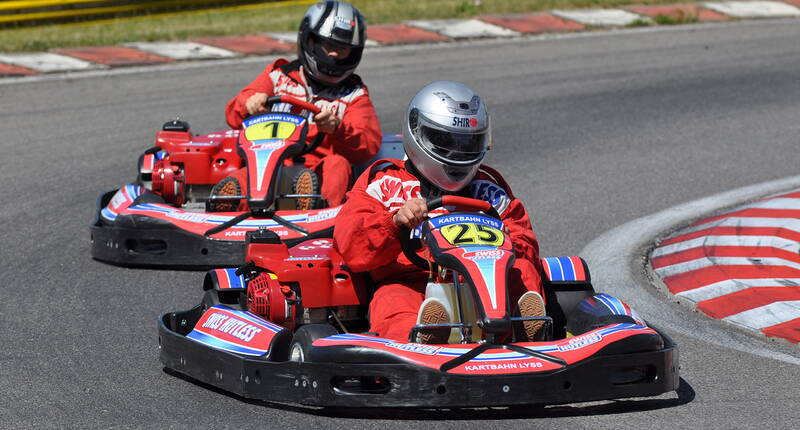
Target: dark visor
454, 146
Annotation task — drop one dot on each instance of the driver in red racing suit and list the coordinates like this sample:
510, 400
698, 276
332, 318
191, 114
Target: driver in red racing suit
330, 42
446, 131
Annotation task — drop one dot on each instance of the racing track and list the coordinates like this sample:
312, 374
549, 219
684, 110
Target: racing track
593, 130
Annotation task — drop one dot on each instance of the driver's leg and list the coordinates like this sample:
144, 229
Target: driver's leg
525, 290
335, 174
394, 307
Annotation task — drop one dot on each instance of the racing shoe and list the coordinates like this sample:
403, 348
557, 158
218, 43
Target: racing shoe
531, 304
306, 182
229, 186
433, 311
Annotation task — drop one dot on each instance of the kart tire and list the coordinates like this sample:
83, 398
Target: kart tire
305, 336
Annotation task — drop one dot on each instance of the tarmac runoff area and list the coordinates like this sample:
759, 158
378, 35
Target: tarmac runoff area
736, 264
410, 32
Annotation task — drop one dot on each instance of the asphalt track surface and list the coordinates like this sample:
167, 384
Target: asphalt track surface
593, 131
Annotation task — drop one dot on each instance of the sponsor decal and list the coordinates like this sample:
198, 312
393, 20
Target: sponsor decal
580, 341
503, 366
344, 23
264, 145
273, 116
489, 254
188, 216
232, 326
415, 347
489, 192
464, 122
389, 190
324, 215
444, 220
119, 199
235, 233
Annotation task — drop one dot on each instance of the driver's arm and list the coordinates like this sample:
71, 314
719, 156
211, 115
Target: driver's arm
518, 223
365, 232
236, 109
358, 136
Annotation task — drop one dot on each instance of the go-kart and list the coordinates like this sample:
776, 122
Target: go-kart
289, 326
165, 218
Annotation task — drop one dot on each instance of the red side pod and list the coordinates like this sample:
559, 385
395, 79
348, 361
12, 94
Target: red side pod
206, 159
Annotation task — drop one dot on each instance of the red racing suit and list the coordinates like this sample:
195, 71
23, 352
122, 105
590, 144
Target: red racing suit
356, 140
368, 239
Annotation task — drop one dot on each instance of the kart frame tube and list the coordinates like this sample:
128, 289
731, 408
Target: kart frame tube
411, 386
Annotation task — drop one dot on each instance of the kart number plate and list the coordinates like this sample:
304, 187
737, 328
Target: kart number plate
270, 130
472, 234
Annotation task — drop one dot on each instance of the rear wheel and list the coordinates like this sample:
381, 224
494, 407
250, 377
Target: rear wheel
305, 336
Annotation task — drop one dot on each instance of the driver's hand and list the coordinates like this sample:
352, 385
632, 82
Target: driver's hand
256, 103
412, 214
326, 121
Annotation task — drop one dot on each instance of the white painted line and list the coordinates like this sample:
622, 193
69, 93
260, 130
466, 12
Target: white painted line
732, 240
754, 9
785, 223
47, 62
463, 28
183, 50
767, 316
700, 263
601, 17
729, 286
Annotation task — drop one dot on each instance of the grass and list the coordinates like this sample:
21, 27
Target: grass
268, 17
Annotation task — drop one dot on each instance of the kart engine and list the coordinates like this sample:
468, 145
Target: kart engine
168, 181
268, 298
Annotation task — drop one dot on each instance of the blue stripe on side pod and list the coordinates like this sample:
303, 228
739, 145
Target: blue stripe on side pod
569, 271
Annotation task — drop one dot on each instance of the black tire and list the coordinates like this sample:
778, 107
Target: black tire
305, 336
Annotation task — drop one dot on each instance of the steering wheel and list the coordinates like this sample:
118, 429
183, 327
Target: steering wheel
311, 107
409, 245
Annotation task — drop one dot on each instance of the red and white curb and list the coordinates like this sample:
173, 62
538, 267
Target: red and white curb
742, 267
429, 31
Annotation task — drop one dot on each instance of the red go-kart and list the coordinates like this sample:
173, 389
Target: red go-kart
290, 326
165, 218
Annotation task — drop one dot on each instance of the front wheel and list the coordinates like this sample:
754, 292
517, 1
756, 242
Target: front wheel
304, 337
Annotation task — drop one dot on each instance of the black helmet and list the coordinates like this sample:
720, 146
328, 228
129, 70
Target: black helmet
335, 23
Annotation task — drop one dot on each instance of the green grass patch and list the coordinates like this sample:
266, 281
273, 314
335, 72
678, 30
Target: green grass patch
263, 18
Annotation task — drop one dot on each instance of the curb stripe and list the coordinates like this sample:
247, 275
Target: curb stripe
715, 241
252, 45
741, 301
723, 262
729, 286
734, 231
786, 223
716, 255
713, 274
789, 330
533, 23
390, 34
767, 316
678, 12
114, 56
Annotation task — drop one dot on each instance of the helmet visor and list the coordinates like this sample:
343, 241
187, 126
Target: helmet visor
453, 146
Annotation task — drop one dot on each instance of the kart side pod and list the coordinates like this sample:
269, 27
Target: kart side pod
323, 279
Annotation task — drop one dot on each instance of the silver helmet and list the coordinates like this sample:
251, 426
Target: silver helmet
446, 134
335, 23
